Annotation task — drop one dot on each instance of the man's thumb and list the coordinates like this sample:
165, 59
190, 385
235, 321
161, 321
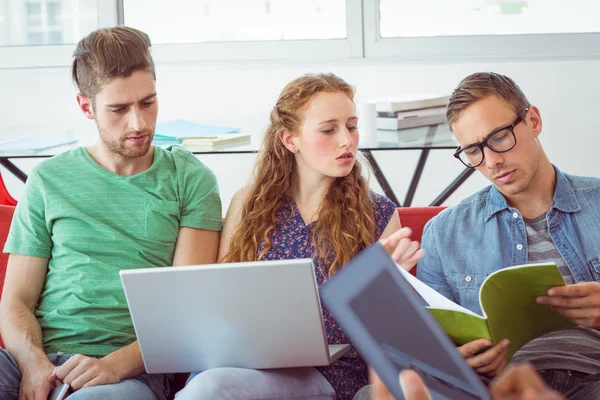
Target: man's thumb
413, 386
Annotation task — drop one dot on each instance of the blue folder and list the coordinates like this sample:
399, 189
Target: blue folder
182, 129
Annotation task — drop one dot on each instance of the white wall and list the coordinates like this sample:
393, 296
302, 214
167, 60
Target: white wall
41, 102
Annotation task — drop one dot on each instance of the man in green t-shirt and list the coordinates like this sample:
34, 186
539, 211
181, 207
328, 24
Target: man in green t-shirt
87, 214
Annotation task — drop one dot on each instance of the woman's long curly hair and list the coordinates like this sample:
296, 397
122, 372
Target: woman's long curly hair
345, 223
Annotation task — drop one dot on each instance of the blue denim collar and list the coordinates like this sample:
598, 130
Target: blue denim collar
564, 197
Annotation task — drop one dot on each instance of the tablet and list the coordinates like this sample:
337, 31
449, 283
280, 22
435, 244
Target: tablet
386, 320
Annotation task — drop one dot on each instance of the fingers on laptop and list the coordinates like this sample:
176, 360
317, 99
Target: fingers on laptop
490, 362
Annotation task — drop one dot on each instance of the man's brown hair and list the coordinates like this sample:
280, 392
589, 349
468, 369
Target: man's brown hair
110, 53
481, 85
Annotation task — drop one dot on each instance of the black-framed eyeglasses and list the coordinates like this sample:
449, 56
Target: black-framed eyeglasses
500, 140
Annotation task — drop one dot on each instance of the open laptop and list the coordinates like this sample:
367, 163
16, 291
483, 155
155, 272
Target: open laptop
258, 315
385, 318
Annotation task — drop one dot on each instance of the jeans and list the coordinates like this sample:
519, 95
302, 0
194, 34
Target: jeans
142, 387
364, 393
249, 384
573, 385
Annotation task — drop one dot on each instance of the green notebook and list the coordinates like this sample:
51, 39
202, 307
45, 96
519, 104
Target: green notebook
507, 298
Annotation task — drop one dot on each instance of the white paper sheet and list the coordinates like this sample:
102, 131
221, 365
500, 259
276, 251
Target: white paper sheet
433, 298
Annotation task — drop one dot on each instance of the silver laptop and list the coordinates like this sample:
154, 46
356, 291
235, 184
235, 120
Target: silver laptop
257, 315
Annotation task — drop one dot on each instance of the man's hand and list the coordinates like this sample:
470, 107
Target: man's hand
82, 372
491, 362
413, 386
411, 383
35, 384
580, 303
521, 382
402, 249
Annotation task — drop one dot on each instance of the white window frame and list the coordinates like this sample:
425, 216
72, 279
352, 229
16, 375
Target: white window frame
52, 56
44, 28
363, 41
484, 47
110, 13
350, 47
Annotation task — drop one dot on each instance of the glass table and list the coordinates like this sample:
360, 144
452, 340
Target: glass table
425, 139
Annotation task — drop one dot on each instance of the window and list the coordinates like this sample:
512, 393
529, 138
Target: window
43, 23
248, 29
49, 22
53, 14
423, 18
459, 29
34, 32
237, 20
35, 38
33, 11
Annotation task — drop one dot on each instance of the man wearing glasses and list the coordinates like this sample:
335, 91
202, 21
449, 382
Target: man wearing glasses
531, 213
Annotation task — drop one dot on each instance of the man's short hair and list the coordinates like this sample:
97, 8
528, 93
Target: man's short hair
480, 85
110, 53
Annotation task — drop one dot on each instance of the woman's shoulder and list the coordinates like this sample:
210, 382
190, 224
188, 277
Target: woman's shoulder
239, 197
383, 211
381, 202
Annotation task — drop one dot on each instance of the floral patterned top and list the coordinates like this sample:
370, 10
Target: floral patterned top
291, 239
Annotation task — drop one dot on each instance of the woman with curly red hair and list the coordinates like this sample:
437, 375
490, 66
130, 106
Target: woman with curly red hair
308, 198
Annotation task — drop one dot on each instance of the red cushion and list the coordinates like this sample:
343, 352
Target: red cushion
5, 197
416, 218
6, 214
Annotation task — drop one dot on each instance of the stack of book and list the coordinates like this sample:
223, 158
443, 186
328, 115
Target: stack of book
411, 112
197, 137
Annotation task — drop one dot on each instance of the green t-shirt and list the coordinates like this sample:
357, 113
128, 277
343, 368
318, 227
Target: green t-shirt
90, 223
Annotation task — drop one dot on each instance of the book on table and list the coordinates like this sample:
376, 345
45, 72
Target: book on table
163, 142
411, 102
508, 301
181, 129
214, 142
411, 118
417, 136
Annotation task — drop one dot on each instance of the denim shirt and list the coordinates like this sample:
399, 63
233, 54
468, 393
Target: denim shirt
482, 234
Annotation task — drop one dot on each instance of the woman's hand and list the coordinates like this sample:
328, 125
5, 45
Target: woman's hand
402, 249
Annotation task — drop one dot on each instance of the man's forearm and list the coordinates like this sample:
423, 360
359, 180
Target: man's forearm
127, 362
21, 333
